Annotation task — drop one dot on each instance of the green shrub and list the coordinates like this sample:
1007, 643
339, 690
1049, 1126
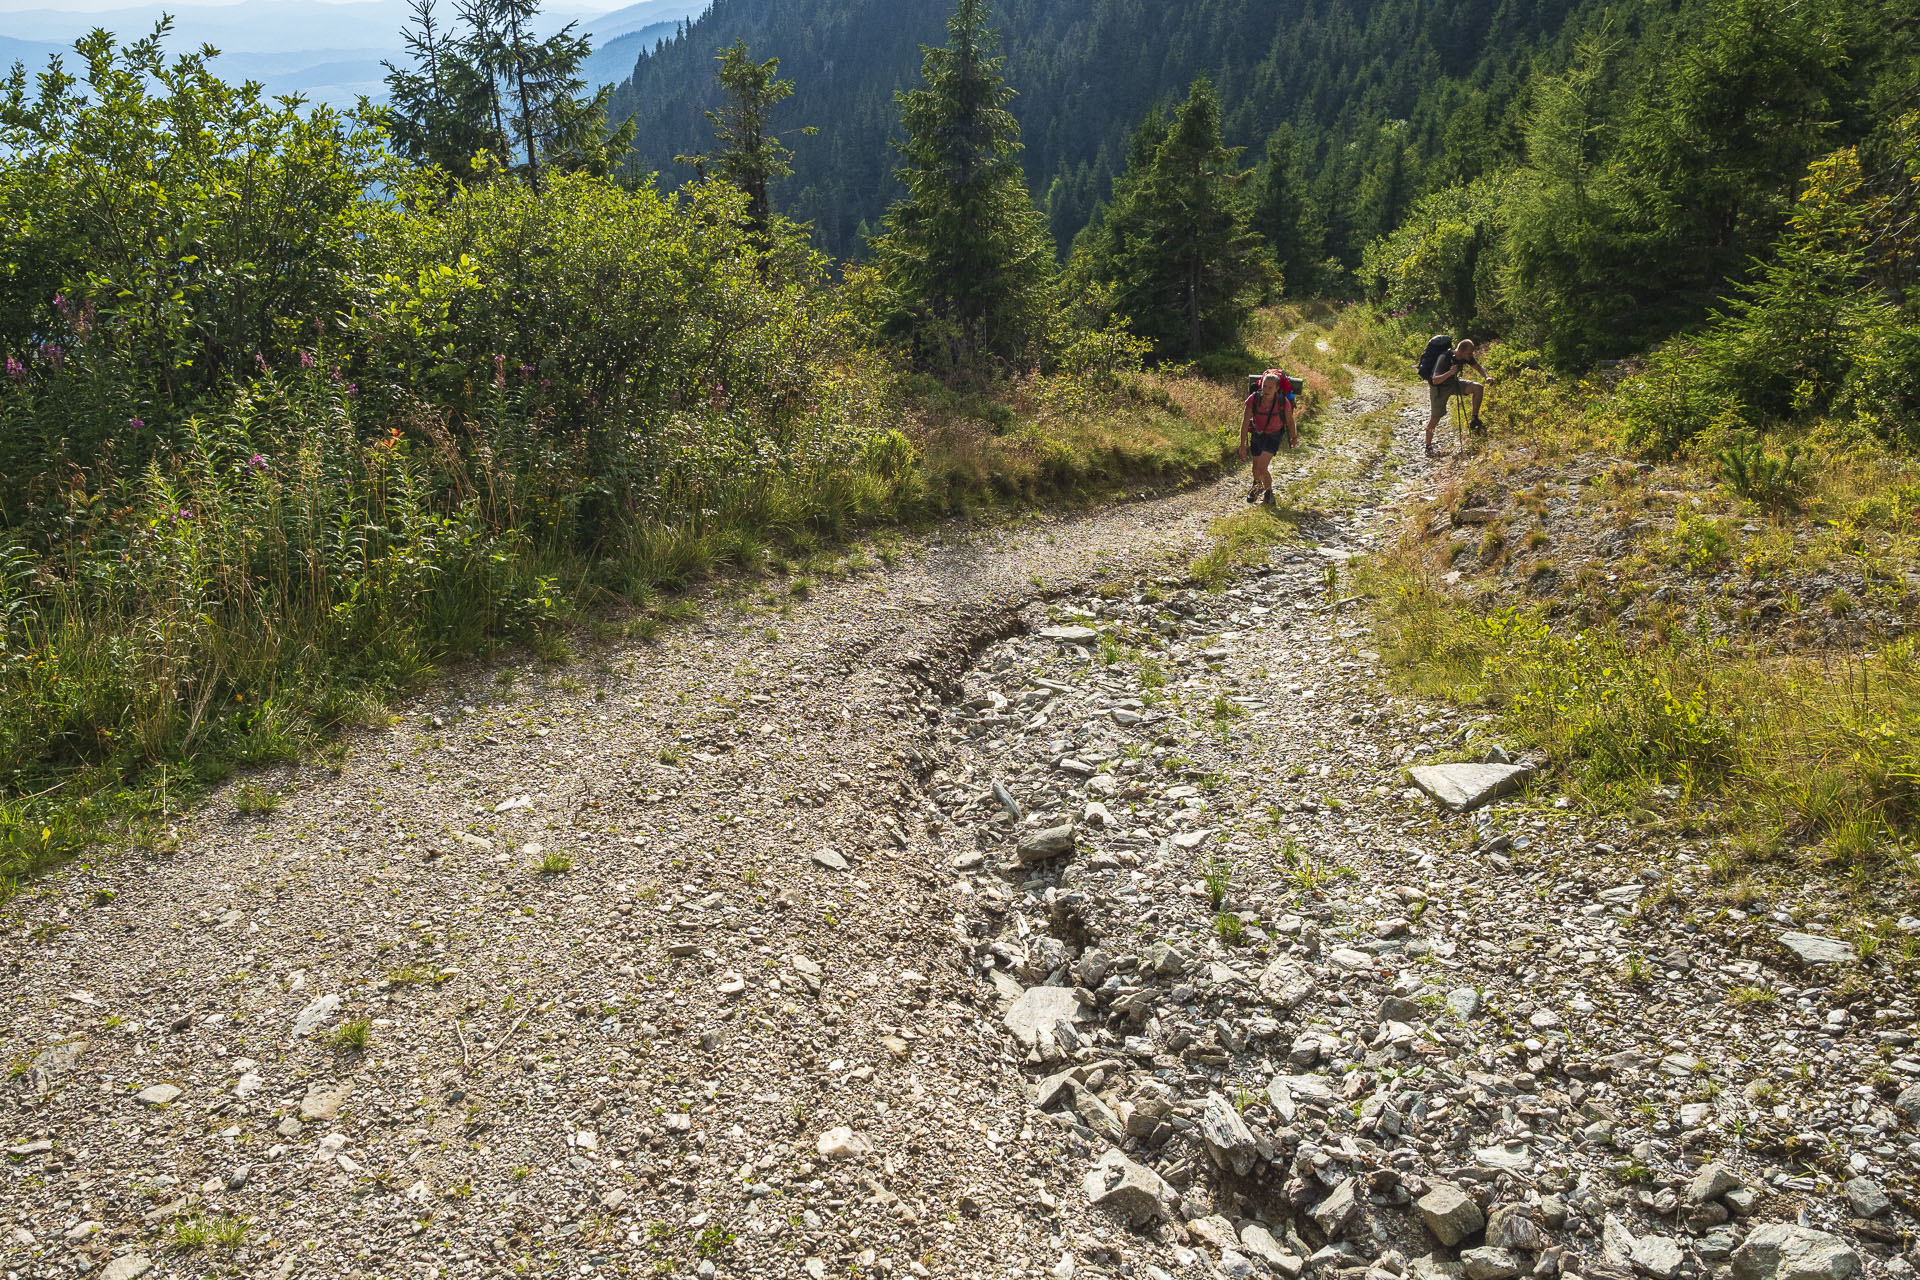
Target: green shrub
1772, 480
889, 455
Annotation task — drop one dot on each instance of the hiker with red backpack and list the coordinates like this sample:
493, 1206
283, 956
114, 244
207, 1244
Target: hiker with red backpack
1439, 368
1267, 421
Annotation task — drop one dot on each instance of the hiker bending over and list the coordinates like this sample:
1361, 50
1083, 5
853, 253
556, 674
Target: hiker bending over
1447, 383
1268, 420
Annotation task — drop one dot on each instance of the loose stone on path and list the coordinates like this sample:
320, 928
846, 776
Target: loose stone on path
1464, 787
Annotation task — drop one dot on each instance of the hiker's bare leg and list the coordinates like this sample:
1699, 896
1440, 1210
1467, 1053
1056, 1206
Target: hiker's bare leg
1261, 477
1432, 422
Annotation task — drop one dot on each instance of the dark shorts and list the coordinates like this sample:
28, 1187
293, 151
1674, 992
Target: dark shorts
1266, 442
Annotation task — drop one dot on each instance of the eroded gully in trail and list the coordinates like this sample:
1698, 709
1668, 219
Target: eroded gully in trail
768, 1022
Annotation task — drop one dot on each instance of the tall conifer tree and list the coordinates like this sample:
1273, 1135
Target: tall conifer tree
751, 155
495, 88
1175, 243
1282, 214
439, 110
965, 255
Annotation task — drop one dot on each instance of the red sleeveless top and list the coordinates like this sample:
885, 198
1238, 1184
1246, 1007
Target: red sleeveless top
1274, 418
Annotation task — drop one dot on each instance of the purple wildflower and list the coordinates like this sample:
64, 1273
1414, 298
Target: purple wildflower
306, 359
16, 370
135, 423
258, 462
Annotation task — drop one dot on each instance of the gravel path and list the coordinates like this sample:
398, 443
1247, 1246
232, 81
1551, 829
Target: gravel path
770, 1009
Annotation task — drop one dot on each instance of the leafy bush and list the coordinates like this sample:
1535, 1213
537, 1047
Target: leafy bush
150, 200
889, 455
1442, 264
1882, 388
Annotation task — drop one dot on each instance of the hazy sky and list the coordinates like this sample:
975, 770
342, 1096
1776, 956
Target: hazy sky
100, 6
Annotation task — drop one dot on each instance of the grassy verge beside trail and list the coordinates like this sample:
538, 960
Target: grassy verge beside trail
208, 614
1678, 645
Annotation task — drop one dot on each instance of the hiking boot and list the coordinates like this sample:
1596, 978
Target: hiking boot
1253, 494
1478, 427
1268, 499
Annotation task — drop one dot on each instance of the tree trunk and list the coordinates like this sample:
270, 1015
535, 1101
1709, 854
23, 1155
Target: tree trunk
526, 105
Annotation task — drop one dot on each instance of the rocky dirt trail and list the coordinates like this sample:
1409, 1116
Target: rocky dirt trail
1015, 910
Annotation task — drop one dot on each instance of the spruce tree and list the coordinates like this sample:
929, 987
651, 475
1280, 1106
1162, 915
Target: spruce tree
495, 88
1176, 243
965, 255
751, 155
438, 111
1282, 215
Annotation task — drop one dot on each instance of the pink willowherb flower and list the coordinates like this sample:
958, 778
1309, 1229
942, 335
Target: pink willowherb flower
53, 353
261, 361
136, 423
306, 359
258, 462
16, 370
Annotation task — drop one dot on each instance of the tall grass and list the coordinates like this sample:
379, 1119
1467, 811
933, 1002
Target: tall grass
283, 567
1748, 729
1814, 750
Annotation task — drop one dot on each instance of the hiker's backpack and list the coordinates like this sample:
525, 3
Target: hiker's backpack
1288, 387
1437, 345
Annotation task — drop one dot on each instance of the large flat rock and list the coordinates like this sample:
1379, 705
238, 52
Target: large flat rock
1131, 1190
1783, 1251
1034, 1014
1461, 787
1811, 948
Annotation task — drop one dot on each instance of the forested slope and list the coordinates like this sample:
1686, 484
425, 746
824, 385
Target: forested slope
1374, 89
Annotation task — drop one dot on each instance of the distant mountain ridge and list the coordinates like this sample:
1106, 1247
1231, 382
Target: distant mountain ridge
329, 53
